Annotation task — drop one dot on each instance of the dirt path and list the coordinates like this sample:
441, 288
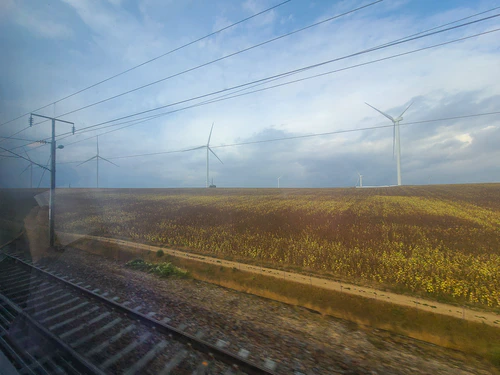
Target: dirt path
422, 304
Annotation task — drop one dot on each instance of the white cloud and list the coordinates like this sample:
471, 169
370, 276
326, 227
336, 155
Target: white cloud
453, 80
465, 138
37, 19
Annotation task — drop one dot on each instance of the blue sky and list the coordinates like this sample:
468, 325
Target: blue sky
54, 49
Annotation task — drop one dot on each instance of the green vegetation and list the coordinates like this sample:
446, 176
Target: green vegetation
469, 337
160, 269
456, 333
160, 253
440, 242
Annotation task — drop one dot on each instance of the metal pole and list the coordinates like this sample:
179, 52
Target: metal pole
398, 153
52, 183
207, 166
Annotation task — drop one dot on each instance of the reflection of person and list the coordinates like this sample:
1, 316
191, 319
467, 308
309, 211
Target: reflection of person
37, 232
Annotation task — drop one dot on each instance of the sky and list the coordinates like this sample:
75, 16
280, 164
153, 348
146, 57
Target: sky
53, 49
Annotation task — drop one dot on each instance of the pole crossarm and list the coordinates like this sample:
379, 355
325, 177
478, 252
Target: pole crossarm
52, 118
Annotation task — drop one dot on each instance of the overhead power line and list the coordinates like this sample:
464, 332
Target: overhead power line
17, 139
292, 71
301, 136
217, 60
92, 127
283, 75
22, 157
151, 60
224, 97
409, 36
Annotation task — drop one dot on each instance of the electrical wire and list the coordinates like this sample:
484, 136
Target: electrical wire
151, 60
137, 121
12, 135
292, 71
21, 157
301, 136
215, 100
216, 60
43, 173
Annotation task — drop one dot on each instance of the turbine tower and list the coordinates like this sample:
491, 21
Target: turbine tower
97, 157
209, 149
279, 181
360, 180
396, 143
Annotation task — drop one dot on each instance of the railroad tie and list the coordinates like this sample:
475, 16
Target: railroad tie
269, 364
65, 312
139, 365
243, 353
201, 369
45, 302
84, 325
107, 343
96, 333
125, 351
221, 344
174, 362
70, 320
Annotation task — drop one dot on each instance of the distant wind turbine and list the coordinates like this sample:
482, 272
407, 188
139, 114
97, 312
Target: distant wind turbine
208, 154
360, 180
396, 143
279, 181
97, 157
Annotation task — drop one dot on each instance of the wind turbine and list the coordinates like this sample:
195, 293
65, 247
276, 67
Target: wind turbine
208, 154
97, 157
396, 143
360, 180
279, 181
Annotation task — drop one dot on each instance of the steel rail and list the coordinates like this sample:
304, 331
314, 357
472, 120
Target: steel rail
197, 344
77, 361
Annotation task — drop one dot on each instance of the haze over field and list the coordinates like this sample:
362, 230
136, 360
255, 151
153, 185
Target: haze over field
54, 49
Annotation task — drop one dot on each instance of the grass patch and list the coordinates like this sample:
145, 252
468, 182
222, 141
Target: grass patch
160, 253
160, 269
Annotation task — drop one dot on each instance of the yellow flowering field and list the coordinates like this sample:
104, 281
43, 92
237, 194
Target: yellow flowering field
439, 241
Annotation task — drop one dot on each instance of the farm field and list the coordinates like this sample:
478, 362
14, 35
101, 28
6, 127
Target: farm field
441, 242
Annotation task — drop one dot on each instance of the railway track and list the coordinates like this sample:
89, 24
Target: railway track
52, 324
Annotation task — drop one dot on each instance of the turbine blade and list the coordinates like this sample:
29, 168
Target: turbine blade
401, 115
210, 136
86, 161
382, 113
215, 154
100, 157
97, 145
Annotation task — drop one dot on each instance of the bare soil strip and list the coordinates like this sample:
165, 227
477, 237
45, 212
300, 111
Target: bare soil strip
398, 299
